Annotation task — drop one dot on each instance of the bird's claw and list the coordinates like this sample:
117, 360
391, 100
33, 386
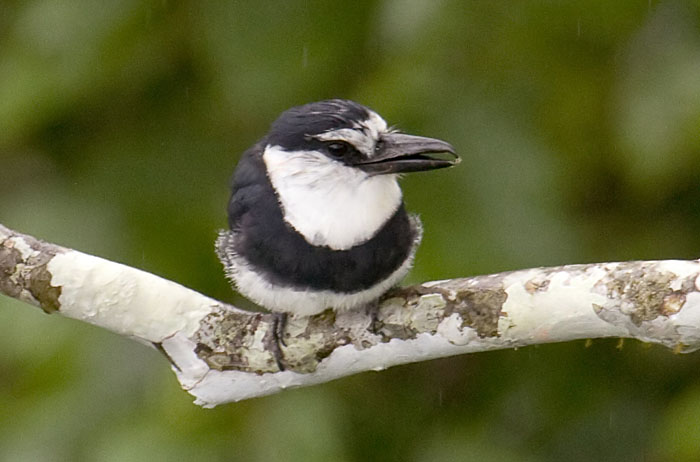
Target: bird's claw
372, 310
279, 322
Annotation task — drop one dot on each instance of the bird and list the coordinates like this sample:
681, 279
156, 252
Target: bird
316, 215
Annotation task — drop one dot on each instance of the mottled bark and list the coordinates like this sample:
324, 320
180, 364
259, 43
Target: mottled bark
221, 353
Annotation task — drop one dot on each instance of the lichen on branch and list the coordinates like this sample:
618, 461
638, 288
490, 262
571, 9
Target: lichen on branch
221, 353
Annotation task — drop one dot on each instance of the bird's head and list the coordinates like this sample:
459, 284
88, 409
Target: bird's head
344, 133
334, 165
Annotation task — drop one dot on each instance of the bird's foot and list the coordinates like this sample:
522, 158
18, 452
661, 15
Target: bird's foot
372, 309
279, 322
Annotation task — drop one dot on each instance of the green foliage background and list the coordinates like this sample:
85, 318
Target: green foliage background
579, 127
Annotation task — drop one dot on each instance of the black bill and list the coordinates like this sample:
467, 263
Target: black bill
401, 153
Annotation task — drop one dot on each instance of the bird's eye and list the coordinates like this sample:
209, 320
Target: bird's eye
338, 148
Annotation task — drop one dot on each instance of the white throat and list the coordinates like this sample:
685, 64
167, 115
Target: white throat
327, 202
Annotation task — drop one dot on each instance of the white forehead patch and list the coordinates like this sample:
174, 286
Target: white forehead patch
374, 124
328, 202
363, 136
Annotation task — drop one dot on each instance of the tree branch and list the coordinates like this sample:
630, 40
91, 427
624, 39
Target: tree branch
221, 353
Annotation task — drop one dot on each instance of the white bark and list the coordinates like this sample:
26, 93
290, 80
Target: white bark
220, 353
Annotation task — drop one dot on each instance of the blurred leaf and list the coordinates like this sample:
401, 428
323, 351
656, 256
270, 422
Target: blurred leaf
659, 103
678, 436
